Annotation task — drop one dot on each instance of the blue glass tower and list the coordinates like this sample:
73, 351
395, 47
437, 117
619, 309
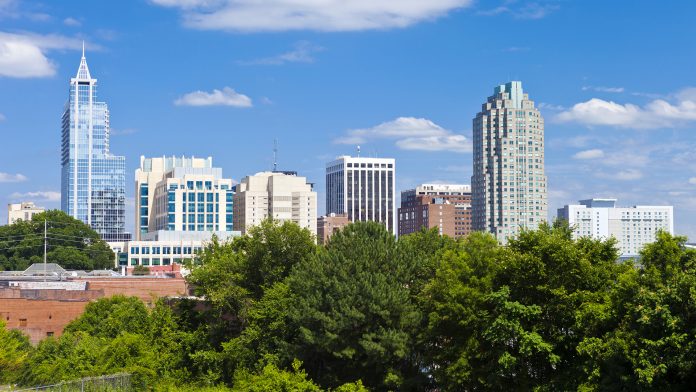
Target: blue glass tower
93, 181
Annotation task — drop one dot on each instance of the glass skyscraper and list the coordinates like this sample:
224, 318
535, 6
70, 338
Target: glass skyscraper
93, 181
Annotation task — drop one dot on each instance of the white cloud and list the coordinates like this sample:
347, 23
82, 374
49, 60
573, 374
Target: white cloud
24, 55
528, 10
225, 97
692, 180
603, 89
594, 153
550, 106
411, 134
40, 195
7, 177
318, 15
658, 113
72, 22
622, 175
302, 53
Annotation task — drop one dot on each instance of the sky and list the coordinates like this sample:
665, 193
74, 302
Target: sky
614, 81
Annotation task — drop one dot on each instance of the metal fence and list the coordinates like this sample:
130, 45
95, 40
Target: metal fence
113, 382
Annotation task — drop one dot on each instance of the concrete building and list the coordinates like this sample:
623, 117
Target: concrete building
283, 196
22, 211
633, 227
181, 194
362, 188
508, 183
444, 206
327, 225
93, 181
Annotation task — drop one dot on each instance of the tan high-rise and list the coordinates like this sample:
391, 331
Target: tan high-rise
508, 182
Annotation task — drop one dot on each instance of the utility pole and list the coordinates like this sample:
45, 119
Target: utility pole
45, 246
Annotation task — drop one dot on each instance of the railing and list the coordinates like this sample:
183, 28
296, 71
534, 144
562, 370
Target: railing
113, 382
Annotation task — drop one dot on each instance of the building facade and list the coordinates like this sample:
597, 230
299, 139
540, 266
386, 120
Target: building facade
22, 211
633, 227
446, 207
327, 225
282, 196
181, 194
508, 183
93, 181
362, 188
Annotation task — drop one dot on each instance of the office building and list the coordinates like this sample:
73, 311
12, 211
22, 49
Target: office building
446, 207
22, 211
282, 196
93, 181
181, 194
632, 227
508, 181
328, 225
363, 189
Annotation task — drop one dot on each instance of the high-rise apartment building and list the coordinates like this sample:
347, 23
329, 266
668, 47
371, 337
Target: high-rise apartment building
282, 196
508, 182
633, 227
363, 189
22, 211
444, 206
93, 181
181, 194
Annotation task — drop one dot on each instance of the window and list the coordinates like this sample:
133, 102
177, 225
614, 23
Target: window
23, 322
49, 333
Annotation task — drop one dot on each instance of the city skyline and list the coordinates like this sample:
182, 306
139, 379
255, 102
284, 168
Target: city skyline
615, 127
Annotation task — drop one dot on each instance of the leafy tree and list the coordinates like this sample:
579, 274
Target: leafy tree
140, 270
352, 311
270, 378
14, 351
109, 317
71, 243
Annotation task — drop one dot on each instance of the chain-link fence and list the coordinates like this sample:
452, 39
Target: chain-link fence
113, 382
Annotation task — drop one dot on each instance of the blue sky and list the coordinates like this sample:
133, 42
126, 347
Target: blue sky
224, 78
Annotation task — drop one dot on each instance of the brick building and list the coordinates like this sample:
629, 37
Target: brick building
41, 304
443, 206
327, 225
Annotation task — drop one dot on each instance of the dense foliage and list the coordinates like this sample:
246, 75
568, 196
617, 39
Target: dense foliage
70, 243
369, 312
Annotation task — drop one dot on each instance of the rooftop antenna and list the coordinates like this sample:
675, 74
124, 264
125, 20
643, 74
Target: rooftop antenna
275, 154
83, 48
358, 151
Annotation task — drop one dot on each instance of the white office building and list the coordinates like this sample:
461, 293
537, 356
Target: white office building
283, 196
508, 182
181, 194
362, 188
632, 227
22, 211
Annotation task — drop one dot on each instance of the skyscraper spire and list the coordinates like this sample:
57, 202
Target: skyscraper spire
83, 71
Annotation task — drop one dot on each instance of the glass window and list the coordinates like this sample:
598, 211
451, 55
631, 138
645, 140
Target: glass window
156, 261
208, 185
201, 197
209, 197
166, 250
191, 197
134, 250
134, 261
209, 207
199, 184
209, 218
146, 261
166, 261
172, 196
145, 250
155, 250
189, 185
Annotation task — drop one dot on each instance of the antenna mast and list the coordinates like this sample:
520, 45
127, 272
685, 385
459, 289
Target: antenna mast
275, 154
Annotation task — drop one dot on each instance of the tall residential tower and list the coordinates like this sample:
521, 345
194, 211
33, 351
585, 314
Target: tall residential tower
508, 182
93, 181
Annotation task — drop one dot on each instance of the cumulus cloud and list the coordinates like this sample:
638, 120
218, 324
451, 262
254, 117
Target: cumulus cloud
72, 22
318, 15
24, 55
225, 97
594, 153
8, 177
411, 134
39, 195
603, 89
622, 175
692, 180
658, 113
302, 53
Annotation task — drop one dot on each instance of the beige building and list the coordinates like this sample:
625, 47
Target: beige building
283, 196
181, 194
508, 182
22, 211
327, 225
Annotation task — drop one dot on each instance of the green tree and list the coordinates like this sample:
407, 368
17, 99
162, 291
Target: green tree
352, 312
14, 351
71, 243
270, 378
